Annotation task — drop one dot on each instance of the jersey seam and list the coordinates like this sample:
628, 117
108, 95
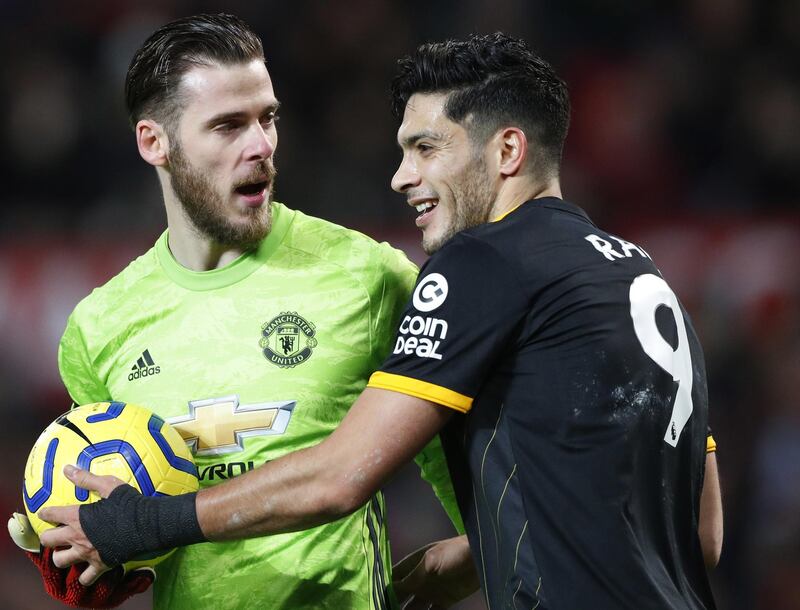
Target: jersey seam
512, 448
89, 360
91, 304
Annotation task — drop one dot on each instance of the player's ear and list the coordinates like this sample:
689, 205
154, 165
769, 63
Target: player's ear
153, 143
510, 148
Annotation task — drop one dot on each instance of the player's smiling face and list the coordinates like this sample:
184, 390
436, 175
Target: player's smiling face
444, 177
221, 162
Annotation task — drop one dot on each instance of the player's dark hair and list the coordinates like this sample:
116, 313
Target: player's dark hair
492, 81
153, 79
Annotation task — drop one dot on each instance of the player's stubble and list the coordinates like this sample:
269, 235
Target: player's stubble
206, 208
472, 201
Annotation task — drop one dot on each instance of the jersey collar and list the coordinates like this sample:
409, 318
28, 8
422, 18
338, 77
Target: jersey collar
236, 271
547, 202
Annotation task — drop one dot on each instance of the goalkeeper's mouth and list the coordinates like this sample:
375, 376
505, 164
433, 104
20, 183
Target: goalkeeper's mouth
253, 193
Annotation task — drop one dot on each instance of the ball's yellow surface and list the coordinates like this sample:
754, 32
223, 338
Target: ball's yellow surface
116, 438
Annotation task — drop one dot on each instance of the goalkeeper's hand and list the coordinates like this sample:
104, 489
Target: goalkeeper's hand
108, 591
436, 576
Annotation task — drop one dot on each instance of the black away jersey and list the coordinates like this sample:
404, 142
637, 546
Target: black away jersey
579, 464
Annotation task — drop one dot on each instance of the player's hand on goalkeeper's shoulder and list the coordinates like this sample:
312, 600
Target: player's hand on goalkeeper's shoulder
109, 590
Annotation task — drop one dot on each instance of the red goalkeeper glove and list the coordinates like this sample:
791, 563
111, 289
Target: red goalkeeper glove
108, 591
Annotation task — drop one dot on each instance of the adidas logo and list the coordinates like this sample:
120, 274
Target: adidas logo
144, 367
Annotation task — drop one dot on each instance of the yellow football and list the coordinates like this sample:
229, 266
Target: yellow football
116, 438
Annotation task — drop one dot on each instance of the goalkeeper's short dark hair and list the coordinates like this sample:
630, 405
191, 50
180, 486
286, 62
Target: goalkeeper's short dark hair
492, 81
152, 84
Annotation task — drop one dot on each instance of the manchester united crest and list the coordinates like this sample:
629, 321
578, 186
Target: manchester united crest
288, 339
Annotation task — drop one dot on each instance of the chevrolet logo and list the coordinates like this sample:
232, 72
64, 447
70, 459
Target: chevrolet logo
216, 426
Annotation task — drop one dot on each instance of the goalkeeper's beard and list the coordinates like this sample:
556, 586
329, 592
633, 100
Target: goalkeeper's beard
206, 209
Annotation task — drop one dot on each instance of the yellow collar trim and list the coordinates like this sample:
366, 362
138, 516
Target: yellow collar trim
504, 214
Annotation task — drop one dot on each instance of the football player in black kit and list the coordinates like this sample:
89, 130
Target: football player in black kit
561, 370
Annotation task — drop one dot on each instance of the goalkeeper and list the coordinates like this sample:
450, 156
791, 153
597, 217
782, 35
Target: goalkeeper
249, 326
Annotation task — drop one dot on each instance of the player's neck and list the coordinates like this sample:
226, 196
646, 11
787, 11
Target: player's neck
192, 249
514, 193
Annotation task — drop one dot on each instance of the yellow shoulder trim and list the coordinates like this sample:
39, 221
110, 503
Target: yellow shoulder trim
420, 389
711, 444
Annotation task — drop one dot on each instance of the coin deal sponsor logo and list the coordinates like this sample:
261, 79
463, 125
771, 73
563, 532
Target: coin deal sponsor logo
421, 336
431, 292
288, 339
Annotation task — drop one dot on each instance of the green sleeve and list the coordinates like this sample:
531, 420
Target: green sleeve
398, 281
75, 367
392, 290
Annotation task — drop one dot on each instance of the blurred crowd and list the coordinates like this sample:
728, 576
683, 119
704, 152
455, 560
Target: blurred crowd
685, 138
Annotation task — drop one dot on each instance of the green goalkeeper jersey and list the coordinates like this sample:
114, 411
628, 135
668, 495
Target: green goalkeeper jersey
249, 362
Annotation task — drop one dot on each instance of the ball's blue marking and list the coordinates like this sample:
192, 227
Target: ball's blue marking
35, 502
128, 453
178, 463
112, 412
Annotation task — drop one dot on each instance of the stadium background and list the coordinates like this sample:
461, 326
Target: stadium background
685, 138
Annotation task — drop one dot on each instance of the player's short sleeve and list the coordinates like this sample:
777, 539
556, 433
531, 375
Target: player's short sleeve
75, 367
461, 318
393, 290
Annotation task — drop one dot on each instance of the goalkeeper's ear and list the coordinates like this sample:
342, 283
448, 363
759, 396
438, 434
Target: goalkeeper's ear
153, 142
21, 532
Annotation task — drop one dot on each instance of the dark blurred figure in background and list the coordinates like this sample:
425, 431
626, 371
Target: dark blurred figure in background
707, 108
